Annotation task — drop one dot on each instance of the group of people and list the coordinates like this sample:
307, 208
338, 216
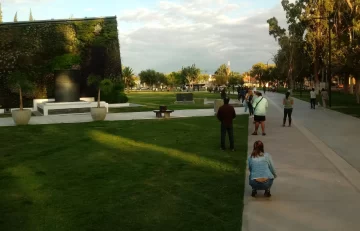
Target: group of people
261, 167
324, 97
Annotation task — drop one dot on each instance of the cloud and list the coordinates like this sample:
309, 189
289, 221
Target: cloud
24, 1
205, 32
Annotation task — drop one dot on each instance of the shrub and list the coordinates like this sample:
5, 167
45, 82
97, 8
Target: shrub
115, 97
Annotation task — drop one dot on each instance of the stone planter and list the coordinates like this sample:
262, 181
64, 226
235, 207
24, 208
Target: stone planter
98, 113
21, 117
217, 104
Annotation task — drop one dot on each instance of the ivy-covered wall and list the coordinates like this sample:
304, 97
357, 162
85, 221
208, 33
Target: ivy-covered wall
36, 48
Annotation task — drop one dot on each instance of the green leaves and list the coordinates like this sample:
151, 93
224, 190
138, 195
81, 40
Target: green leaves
66, 61
190, 73
20, 80
106, 85
128, 77
151, 77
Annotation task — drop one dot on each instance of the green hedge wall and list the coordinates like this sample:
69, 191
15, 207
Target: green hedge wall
32, 47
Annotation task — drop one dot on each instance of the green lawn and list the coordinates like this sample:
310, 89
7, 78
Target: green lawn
5, 115
127, 175
152, 100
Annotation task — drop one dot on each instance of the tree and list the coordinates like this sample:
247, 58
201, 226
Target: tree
1, 16
223, 71
174, 78
104, 85
128, 77
152, 78
148, 77
190, 74
31, 16
258, 71
235, 79
15, 17
19, 82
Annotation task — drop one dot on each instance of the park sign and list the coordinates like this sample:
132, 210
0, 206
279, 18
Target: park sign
185, 98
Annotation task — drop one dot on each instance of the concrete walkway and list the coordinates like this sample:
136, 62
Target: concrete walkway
316, 189
86, 117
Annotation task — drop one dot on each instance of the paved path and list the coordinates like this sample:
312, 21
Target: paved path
339, 131
85, 117
316, 189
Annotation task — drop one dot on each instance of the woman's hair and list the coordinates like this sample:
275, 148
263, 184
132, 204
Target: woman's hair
250, 92
258, 149
287, 95
323, 89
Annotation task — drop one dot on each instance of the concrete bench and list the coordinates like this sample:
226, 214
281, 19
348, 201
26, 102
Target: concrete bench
159, 113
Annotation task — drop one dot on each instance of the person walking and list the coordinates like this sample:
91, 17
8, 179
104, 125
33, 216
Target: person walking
324, 97
246, 99
223, 93
262, 170
260, 105
243, 93
226, 115
288, 103
249, 103
312, 98
264, 88
239, 93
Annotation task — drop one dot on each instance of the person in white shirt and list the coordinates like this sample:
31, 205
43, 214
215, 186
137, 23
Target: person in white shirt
260, 105
312, 98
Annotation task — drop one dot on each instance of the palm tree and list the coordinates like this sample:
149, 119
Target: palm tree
128, 75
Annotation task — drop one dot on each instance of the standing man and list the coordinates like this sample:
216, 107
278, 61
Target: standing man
260, 105
312, 98
226, 115
264, 88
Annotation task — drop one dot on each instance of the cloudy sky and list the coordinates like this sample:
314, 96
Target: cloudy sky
167, 34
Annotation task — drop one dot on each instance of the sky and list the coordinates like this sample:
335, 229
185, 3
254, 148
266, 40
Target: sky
167, 34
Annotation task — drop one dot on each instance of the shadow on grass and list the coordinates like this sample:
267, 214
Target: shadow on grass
154, 175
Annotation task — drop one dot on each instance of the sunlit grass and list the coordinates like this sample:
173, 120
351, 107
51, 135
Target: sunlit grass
152, 100
126, 175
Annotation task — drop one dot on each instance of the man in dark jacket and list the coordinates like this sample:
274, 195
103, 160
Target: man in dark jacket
226, 114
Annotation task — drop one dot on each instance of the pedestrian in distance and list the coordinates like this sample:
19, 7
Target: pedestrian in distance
226, 115
249, 103
288, 103
312, 98
324, 97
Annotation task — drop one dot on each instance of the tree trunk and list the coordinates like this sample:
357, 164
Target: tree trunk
316, 73
357, 90
98, 99
21, 99
346, 83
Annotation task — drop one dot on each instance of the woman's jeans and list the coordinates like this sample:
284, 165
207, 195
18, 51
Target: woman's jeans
261, 185
287, 113
251, 109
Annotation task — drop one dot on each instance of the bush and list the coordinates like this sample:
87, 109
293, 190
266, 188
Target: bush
115, 97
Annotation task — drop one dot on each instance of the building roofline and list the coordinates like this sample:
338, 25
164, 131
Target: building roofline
21, 23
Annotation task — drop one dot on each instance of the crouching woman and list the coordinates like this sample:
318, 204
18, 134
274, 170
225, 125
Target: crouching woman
262, 171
